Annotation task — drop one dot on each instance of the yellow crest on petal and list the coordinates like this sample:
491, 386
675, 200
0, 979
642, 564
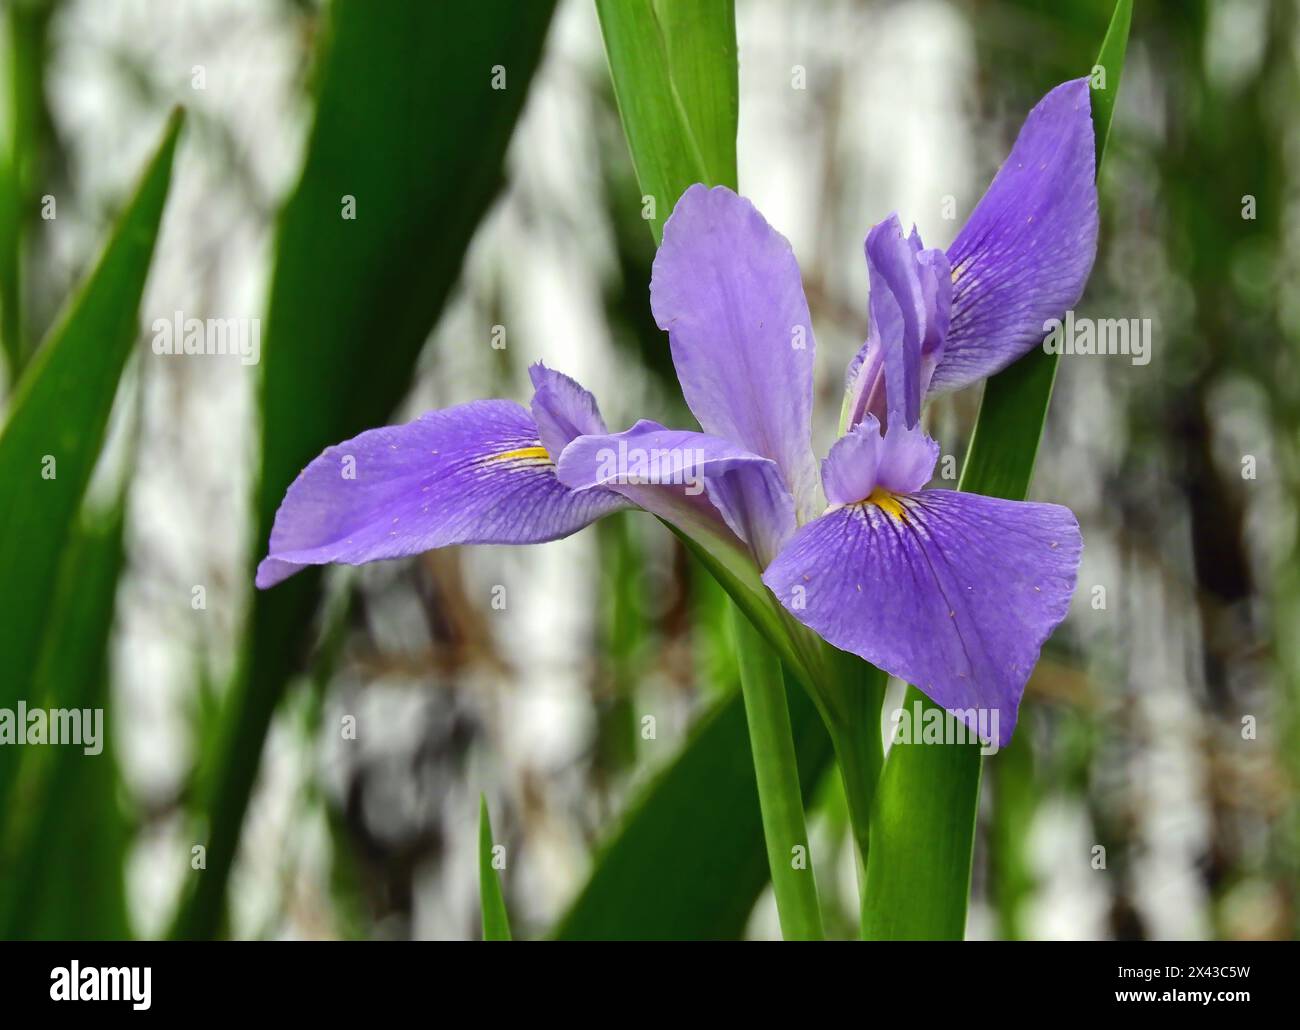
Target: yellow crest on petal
531, 455
888, 503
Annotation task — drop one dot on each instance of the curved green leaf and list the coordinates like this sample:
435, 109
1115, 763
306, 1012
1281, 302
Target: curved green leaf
676, 81
56, 427
47, 849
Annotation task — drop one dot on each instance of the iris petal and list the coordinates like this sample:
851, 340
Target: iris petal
901, 460
1025, 254
726, 288
562, 409
473, 474
911, 294
952, 592
849, 470
693, 480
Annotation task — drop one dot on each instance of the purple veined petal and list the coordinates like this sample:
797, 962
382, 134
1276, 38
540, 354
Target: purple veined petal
911, 294
727, 290
952, 592
681, 475
899, 461
1025, 254
562, 409
473, 474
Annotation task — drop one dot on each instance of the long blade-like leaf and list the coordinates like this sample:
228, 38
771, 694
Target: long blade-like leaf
410, 127
675, 78
923, 823
50, 850
24, 34
496, 922
56, 427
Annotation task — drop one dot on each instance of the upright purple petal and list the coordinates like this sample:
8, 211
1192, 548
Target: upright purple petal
726, 288
952, 592
864, 382
672, 472
1025, 254
911, 293
895, 318
562, 409
472, 474
936, 295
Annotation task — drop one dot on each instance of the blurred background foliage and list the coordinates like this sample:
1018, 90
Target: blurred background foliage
514, 215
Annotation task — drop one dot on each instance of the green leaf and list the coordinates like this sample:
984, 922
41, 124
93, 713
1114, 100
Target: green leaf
47, 849
408, 124
496, 923
687, 860
24, 32
1111, 59
674, 68
923, 822
10, 288
56, 427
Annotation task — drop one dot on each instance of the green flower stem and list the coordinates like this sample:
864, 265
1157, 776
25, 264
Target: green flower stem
779, 796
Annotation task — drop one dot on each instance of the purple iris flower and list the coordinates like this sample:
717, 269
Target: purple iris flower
952, 592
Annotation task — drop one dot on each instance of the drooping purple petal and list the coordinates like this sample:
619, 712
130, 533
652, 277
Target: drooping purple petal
562, 409
911, 293
757, 506
679, 475
726, 288
1025, 254
952, 592
473, 474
